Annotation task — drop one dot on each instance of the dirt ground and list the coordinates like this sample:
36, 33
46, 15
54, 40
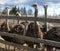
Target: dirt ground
4, 47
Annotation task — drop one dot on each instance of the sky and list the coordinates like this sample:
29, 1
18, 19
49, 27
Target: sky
53, 5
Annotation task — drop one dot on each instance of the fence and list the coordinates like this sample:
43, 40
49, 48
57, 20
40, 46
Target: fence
47, 42
41, 19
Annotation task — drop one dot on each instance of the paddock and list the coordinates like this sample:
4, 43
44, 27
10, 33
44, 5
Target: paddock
18, 47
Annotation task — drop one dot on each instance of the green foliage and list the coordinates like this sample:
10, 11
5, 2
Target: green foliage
23, 10
13, 10
3, 12
18, 9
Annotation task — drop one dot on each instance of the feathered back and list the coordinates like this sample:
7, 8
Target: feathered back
5, 27
34, 30
19, 29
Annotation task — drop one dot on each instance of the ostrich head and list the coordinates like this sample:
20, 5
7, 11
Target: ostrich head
18, 29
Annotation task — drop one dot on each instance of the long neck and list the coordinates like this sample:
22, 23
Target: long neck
39, 32
8, 28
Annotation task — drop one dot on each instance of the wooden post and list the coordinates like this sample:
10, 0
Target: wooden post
45, 8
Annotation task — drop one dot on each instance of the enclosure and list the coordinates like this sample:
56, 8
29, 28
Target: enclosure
17, 47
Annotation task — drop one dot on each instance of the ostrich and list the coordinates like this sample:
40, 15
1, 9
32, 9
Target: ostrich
5, 28
49, 26
52, 34
18, 29
18, 14
35, 32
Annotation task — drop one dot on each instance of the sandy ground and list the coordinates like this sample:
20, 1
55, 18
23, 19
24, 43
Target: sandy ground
4, 47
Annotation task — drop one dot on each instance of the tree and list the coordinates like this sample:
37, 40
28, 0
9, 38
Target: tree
13, 10
23, 10
30, 12
18, 9
3, 12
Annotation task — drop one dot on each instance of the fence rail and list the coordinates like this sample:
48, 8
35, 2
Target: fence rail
18, 46
37, 40
31, 19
